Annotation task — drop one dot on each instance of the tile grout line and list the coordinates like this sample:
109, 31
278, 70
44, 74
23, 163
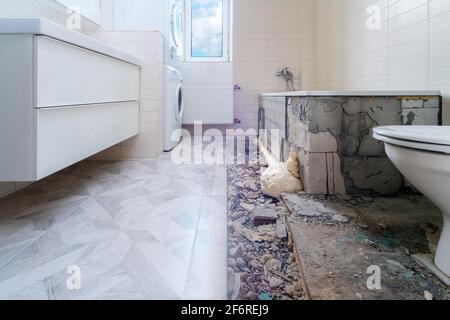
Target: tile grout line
51, 227
204, 198
191, 260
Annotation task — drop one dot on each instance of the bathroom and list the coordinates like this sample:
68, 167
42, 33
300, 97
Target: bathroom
236, 150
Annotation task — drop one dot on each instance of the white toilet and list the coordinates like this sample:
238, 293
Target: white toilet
422, 155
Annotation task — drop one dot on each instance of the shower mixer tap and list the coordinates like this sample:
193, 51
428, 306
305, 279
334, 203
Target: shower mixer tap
289, 77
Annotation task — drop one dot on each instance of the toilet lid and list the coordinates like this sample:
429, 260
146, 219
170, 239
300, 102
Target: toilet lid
424, 134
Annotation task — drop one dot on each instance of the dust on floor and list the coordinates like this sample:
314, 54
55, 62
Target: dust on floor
360, 247
345, 248
262, 264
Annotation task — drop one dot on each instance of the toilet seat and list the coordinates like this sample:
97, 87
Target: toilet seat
426, 138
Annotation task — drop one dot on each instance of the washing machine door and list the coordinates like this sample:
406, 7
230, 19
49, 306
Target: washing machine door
179, 102
176, 25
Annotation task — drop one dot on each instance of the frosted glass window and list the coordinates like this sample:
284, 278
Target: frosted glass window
207, 36
207, 28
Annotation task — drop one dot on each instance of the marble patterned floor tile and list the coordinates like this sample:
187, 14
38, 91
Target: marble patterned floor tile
144, 229
208, 270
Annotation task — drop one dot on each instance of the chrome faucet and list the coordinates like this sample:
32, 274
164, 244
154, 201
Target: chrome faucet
289, 77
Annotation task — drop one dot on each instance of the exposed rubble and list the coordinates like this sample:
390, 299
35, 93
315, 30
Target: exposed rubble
340, 240
261, 261
324, 247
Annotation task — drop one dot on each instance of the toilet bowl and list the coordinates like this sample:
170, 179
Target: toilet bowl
422, 155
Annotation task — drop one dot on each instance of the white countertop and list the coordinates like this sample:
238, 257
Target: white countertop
354, 93
50, 29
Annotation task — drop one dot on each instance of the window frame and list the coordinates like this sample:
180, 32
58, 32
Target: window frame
226, 50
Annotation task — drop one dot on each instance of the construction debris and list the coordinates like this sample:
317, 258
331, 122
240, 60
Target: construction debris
281, 229
262, 216
260, 251
280, 177
340, 256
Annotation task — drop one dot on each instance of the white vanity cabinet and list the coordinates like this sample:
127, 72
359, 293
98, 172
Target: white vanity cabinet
61, 102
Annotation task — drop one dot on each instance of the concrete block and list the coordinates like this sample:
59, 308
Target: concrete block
339, 181
321, 142
301, 109
297, 132
326, 116
330, 172
432, 103
337, 151
376, 175
336, 182
311, 142
424, 116
360, 117
352, 106
315, 173
369, 147
383, 111
412, 103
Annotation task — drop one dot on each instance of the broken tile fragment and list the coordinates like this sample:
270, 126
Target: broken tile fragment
262, 216
281, 229
340, 218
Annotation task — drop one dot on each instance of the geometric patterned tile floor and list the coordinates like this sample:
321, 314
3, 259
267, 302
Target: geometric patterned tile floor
144, 229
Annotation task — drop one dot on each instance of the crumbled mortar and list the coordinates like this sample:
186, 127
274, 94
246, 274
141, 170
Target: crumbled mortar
261, 262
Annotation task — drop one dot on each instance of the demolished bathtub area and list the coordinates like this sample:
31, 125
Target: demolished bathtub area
359, 227
333, 136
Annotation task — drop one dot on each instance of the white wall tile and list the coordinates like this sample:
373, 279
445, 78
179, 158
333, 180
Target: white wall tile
270, 35
411, 51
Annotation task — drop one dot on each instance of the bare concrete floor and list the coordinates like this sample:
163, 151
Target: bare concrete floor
361, 247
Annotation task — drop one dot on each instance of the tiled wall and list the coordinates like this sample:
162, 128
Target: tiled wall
47, 9
308, 43
31, 8
411, 50
149, 47
268, 36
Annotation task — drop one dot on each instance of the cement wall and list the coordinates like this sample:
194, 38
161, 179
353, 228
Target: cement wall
333, 136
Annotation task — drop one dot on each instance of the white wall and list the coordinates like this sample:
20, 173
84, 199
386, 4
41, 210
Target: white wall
48, 9
410, 51
31, 8
270, 35
143, 15
88, 8
308, 42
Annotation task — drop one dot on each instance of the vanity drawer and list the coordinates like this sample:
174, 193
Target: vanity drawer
70, 134
68, 75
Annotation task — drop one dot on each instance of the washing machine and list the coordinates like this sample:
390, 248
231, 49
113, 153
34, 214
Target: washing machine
174, 108
175, 34
174, 98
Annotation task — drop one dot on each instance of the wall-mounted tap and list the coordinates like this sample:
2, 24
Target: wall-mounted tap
289, 77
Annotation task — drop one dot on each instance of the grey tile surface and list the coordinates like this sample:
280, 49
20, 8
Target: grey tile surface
137, 230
